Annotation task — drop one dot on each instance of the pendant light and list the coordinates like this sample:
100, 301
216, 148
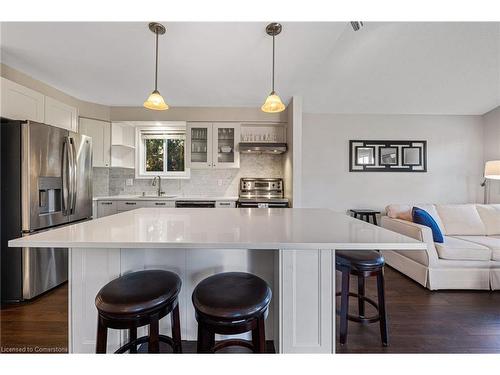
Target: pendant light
273, 103
155, 100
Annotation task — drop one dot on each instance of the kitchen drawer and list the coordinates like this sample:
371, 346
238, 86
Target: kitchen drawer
106, 208
128, 205
225, 204
160, 204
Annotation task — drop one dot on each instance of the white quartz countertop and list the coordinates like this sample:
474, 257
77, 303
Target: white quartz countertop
164, 197
214, 228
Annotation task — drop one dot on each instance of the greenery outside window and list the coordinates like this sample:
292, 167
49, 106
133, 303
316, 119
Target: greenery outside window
162, 152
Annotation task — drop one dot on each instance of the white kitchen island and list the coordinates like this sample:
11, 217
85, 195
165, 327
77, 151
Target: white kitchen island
291, 248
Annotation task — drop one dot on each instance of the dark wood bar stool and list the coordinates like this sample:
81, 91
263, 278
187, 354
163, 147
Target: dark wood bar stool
365, 215
229, 304
135, 300
362, 264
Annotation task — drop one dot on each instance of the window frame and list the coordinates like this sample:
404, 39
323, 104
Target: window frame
165, 133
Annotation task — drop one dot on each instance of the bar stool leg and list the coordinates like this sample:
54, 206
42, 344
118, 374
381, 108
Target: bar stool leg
176, 330
132, 335
259, 337
381, 308
153, 341
361, 294
102, 337
344, 305
206, 340
375, 219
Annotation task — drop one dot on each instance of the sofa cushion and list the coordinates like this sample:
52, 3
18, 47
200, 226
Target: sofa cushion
399, 211
431, 210
461, 220
459, 249
491, 242
490, 215
422, 217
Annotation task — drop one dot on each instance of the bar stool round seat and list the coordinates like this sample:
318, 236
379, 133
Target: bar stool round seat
362, 263
137, 299
231, 303
365, 259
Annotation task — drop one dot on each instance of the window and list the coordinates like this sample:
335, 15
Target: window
161, 152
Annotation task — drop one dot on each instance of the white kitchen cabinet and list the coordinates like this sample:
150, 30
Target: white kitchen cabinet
159, 204
100, 131
60, 114
306, 294
213, 145
225, 204
106, 208
199, 152
226, 139
122, 145
128, 205
21, 103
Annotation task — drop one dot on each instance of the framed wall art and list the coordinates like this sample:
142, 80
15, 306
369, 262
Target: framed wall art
387, 156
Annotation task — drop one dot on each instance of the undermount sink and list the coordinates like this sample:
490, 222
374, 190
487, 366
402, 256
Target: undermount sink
157, 196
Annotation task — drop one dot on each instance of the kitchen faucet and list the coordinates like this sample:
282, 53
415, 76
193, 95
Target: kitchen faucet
159, 185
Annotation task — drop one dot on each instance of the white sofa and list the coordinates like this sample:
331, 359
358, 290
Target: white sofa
469, 258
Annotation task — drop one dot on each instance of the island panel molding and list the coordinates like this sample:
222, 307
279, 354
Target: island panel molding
387, 156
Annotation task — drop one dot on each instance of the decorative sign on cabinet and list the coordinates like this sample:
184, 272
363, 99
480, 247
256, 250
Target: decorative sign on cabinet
100, 131
213, 145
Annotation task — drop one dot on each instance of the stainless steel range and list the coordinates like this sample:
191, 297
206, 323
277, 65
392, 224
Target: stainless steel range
262, 193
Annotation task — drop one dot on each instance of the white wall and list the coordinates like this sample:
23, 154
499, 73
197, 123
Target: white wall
491, 122
454, 161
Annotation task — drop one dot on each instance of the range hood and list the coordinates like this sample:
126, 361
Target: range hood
262, 148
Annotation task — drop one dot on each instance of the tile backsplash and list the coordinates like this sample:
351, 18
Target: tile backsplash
203, 182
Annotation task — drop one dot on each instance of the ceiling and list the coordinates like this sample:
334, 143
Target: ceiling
390, 68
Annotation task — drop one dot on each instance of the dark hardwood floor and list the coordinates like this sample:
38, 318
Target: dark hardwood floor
40, 326
421, 321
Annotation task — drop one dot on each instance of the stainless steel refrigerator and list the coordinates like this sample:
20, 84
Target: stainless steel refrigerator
46, 181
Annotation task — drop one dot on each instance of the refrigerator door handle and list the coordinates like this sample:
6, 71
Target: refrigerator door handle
66, 177
72, 152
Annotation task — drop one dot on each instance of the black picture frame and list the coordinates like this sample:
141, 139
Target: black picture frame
356, 155
380, 162
403, 156
379, 166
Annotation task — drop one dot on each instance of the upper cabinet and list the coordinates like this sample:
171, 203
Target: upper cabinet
21, 103
213, 145
100, 131
60, 114
122, 145
199, 145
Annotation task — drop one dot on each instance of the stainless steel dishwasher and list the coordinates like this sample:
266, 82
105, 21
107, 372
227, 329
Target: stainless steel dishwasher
195, 204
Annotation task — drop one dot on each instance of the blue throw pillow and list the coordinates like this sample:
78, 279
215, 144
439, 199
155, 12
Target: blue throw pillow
422, 217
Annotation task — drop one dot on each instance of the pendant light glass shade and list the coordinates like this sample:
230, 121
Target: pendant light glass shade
156, 102
273, 104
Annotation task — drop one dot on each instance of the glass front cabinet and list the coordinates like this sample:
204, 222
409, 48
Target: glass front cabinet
213, 145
